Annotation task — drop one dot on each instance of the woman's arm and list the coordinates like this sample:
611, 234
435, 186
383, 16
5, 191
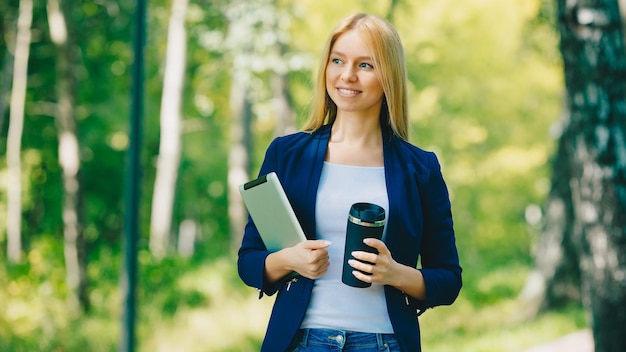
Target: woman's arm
308, 258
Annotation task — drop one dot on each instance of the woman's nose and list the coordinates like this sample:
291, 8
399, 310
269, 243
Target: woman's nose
348, 74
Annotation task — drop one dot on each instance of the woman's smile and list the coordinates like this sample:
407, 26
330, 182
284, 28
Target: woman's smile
348, 92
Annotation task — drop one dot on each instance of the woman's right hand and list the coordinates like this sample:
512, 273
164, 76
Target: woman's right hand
308, 258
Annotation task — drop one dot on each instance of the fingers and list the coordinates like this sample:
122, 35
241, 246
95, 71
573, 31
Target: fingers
365, 256
318, 256
314, 258
380, 247
376, 243
315, 270
359, 265
315, 244
359, 275
372, 267
319, 270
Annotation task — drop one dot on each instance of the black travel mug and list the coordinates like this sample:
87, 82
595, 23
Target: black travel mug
365, 220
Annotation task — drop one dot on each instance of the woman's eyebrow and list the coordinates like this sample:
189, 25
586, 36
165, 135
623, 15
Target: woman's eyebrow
359, 58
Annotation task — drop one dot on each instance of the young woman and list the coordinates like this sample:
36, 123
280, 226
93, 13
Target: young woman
354, 148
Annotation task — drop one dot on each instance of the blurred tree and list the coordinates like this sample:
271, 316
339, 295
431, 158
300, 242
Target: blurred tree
257, 43
69, 154
7, 26
16, 127
242, 36
170, 143
585, 231
281, 92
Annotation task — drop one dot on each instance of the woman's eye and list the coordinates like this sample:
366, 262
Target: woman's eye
366, 65
335, 61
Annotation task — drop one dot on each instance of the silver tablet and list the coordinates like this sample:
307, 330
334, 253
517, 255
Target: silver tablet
271, 212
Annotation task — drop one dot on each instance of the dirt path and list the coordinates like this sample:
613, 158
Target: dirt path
581, 341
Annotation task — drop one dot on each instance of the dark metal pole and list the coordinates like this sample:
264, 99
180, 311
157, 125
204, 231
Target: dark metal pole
131, 216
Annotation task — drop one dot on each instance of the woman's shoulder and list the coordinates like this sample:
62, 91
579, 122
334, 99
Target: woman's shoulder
292, 137
299, 138
421, 163
414, 152
291, 140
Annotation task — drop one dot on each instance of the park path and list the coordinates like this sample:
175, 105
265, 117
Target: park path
580, 341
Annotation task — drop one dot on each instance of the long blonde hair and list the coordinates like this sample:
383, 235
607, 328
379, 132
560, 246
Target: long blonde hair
390, 67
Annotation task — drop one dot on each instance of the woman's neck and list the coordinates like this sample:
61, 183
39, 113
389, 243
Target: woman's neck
355, 141
356, 130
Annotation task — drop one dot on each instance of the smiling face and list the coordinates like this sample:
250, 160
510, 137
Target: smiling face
351, 80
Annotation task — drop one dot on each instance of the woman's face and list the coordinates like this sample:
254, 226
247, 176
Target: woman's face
351, 80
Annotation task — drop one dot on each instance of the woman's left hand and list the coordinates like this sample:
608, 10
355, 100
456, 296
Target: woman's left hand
382, 268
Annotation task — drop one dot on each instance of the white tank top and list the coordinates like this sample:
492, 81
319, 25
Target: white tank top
334, 304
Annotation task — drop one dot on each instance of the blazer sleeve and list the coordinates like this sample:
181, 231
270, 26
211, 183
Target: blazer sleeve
439, 256
252, 253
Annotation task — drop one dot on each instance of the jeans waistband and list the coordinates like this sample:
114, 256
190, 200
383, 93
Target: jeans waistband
343, 338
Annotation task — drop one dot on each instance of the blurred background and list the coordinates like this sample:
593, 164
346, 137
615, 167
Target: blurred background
222, 78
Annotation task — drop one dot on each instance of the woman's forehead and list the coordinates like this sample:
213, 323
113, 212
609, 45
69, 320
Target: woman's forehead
352, 43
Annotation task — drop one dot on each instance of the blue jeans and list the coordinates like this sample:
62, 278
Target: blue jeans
330, 340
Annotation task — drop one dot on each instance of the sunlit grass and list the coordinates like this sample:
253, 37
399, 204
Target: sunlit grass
499, 321
234, 319
205, 308
501, 326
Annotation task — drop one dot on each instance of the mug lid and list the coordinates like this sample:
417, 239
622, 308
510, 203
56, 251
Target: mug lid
367, 212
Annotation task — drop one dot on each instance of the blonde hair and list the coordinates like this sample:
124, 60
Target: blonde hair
390, 67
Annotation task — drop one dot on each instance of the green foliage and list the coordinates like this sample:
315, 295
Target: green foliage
485, 86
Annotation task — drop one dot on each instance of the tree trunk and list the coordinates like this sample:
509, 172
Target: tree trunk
593, 149
238, 156
241, 38
69, 156
7, 73
16, 127
248, 24
555, 279
170, 144
285, 115
594, 57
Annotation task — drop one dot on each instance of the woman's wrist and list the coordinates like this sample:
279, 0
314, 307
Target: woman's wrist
276, 266
409, 280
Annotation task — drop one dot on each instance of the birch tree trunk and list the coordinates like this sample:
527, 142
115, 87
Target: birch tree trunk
69, 156
593, 148
16, 127
281, 95
239, 156
555, 279
252, 25
285, 115
594, 57
241, 38
170, 143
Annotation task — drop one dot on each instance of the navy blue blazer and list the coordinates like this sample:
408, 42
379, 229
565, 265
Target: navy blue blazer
419, 225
